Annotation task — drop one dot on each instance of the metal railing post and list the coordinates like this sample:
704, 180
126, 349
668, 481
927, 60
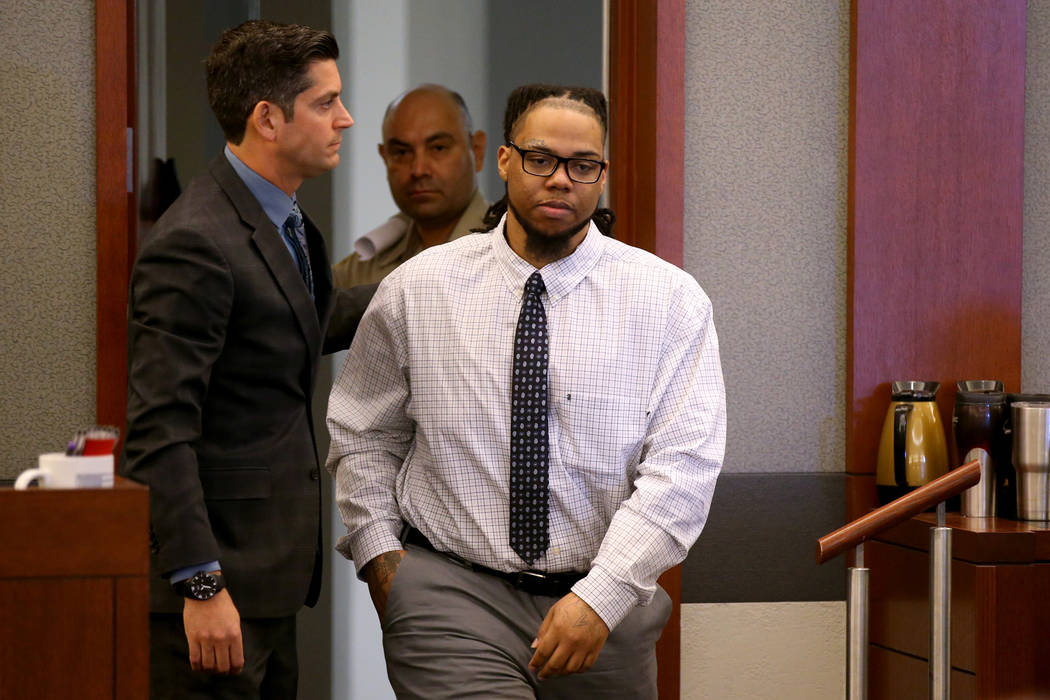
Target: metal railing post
857, 634
871, 524
940, 611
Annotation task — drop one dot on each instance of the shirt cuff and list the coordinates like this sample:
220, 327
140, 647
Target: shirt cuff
371, 541
188, 571
611, 599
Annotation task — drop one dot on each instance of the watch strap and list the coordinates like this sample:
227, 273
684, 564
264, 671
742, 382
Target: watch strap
201, 586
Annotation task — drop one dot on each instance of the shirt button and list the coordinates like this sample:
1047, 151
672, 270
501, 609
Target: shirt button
315, 474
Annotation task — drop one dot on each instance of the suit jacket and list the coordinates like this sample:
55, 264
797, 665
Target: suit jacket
223, 348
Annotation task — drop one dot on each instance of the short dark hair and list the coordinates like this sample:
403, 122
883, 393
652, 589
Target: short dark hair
262, 60
519, 103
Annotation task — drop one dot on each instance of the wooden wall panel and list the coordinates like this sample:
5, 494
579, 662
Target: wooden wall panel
647, 181
896, 676
935, 194
58, 638
117, 215
998, 610
899, 607
74, 593
116, 520
647, 123
131, 610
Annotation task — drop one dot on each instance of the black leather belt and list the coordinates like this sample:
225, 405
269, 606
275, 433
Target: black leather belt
532, 582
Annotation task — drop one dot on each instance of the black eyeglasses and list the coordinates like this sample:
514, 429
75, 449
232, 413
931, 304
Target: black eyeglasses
542, 164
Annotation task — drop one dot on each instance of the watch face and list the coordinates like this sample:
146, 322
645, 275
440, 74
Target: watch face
203, 586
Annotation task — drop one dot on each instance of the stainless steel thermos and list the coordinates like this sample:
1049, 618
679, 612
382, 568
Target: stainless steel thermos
1031, 458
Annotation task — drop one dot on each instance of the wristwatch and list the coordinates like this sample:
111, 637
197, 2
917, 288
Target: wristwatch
201, 586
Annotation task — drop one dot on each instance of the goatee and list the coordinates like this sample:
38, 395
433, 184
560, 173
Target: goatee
548, 247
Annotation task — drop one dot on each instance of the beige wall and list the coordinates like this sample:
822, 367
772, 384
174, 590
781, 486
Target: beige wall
766, 171
767, 112
1035, 319
774, 651
47, 220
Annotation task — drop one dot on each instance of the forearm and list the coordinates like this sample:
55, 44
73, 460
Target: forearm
179, 518
675, 480
364, 465
371, 432
181, 299
379, 574
633, 555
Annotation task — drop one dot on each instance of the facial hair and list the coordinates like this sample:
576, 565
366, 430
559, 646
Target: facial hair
548, 247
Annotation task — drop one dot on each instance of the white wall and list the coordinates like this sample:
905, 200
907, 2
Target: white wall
372, 71
389, 47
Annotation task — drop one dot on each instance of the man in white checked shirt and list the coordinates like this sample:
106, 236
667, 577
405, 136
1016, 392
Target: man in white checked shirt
513, 552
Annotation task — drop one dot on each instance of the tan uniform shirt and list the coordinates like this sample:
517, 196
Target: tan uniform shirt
352, 270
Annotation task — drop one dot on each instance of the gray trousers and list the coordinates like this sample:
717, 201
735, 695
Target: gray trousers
452, 633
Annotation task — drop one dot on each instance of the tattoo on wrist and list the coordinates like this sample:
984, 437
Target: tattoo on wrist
385, 565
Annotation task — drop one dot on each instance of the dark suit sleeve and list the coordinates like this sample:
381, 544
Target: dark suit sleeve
180, 302
348, 306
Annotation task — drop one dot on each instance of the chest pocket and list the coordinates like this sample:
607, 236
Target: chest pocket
599, 437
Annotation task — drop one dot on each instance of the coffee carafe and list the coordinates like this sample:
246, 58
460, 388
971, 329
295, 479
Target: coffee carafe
913, 450
979, 430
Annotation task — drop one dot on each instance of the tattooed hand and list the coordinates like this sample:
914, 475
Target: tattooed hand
569, 639
379, 573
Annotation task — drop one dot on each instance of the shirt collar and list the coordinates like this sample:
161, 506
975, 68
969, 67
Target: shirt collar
559, 277
273, 200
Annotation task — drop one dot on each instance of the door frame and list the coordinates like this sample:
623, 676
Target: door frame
646, 188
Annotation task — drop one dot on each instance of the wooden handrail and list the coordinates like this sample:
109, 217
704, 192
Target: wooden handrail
895, 512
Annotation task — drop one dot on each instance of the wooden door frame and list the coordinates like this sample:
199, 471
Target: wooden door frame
647, 183
116, 215
646, 147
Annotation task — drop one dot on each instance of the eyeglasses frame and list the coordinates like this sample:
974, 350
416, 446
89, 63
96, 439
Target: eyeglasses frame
561, 161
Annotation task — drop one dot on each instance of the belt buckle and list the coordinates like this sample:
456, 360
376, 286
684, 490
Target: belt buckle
533, 582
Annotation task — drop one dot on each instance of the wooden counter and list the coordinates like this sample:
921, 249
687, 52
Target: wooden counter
1000, 609
74, 593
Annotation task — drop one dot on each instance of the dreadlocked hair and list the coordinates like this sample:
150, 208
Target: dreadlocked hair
519, 103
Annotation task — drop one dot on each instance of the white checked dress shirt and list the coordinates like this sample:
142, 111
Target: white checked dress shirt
420, 413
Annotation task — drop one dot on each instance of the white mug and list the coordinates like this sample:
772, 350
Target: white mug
57, 470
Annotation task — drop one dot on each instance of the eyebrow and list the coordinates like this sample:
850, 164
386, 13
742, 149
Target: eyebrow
331, 94
539, 145
439, 136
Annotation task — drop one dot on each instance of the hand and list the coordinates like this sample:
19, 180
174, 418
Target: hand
569, 639
213, 630
379, 573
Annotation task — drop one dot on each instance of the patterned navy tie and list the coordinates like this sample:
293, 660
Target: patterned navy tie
295, 233
528, 429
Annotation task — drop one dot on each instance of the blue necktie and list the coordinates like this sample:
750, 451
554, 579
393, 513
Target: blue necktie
529, 485
295, 233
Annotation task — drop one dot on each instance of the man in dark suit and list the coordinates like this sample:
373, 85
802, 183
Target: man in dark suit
231, 305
